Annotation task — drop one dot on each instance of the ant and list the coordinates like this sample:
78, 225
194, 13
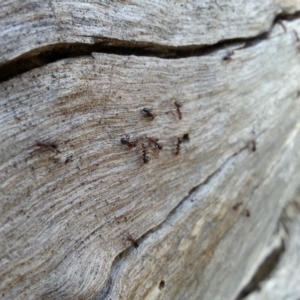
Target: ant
126, 141
246, 212
45, 145
252, 145
228, 56
237, 205
147, 112
154, 141
178, 105
145, 157
179, 142
68, 159
132, 240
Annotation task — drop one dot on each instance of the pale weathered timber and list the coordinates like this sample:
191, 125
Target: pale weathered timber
283, 283
66, 216
34, 26
289, 6
214, 246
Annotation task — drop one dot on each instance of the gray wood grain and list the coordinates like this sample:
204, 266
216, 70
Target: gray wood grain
283, 282
30, 27
66, 213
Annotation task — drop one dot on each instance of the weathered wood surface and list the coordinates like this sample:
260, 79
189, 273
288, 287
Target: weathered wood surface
30, 26
65, 216
284, 280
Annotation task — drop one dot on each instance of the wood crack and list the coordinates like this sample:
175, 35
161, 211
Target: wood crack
122, 256
264, 271
40, 57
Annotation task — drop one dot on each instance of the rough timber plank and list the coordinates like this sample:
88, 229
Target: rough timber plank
289, 6
28, 25
201, 251
283, 283
65, 215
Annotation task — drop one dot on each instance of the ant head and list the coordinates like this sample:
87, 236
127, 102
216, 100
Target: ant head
177, 104
146, 110
125, 139
159, 146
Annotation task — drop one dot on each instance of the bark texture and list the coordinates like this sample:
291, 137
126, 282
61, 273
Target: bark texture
148, 149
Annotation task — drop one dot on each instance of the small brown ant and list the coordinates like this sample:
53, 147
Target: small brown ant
178, 105
126, 141
132, 240
237, 205
45, 145
228, 55
252, 145
147, 112
246, 212
179, 142
68, 159
145, 157
154, 141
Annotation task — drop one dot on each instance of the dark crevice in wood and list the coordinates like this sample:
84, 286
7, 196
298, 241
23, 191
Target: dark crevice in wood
46, 55
287, 17
267, 267
264, 271
208, 179
119, 259
52, 53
